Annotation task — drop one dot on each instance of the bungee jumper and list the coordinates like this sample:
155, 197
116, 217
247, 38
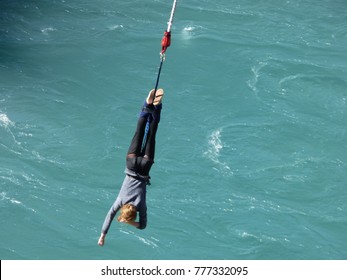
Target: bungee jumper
140, 156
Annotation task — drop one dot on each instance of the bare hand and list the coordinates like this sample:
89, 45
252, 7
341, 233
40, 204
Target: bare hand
101, 239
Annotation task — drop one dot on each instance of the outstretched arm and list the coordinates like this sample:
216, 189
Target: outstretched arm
110, 216
108, 220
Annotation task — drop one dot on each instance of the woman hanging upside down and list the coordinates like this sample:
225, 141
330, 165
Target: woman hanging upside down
132, 195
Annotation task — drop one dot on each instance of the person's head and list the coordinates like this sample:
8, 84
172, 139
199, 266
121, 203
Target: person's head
128, 213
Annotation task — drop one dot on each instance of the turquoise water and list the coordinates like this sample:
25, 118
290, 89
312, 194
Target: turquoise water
251, 150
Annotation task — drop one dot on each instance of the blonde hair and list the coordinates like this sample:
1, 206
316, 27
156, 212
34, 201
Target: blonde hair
128, 213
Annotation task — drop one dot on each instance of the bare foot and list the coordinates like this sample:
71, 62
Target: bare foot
155, 98
158, 97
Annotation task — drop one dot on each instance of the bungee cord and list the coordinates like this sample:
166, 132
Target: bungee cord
165, 43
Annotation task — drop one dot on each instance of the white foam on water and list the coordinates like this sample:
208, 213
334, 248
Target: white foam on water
5, 121
215, 146
115, 27
47, 30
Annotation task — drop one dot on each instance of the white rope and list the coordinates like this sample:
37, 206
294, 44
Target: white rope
171, 16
